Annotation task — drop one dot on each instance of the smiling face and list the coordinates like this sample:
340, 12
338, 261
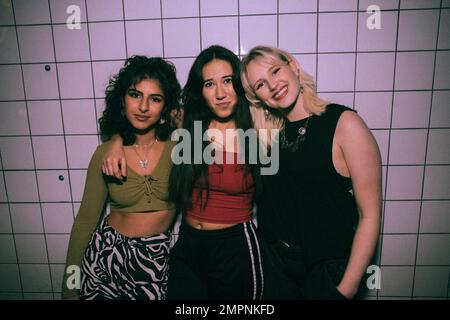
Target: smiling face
218, 89
275, 83
144, 103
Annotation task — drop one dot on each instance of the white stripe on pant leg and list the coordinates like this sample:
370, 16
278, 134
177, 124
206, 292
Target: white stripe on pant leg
252, 258
252, 227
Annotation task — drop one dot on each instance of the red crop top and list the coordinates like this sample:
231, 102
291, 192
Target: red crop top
230, 195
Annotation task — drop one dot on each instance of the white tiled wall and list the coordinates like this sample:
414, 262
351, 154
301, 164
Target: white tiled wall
53, 81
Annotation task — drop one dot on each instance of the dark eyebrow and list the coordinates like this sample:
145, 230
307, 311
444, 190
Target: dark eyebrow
227, 76
151, 95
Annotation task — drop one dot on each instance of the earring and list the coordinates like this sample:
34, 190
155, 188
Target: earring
301, 89
162, 120
267, 114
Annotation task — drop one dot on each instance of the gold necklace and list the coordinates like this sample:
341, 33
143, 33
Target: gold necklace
143, 161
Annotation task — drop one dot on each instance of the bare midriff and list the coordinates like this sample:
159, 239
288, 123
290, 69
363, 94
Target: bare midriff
141, 224
202, 225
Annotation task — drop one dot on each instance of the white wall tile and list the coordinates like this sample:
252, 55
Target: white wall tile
39, 83
375, 71
104, 10
21, 186
3, 197
7, 249
382, 138
396, 281
257, 6
180, 8
75, 80
36, 44
289, 27
148, 43
445, 3
77, 181
408, 146
289, 6
221, 31
58, 217
218, 7
404, 183
9, 277
435, 217
31, 248
308, 63
13, 88
442, 75
59, 10
440, 112
401, 217
142, 9
336, 72
183, 66
26, 218
337, 32
383, 39
50, 152
438, 142
57, 245
383, 4
257, 30
444, 30
398, 249
6, 14
37, 296
102, 48
57, 272
342, 5
418, 29
14, 118
35, 277
414, 70
411, 109
80, 150
8, 46
181, 37
45, 117
103, 71
437, 182
343, 98
31, 12
16, 153
51, 188
374, 108
414, 4
71, 44
432, 249
5, 220
431, 282
76, 205
11, 296
79, 116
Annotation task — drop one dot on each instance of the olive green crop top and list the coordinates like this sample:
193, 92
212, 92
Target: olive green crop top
136, 194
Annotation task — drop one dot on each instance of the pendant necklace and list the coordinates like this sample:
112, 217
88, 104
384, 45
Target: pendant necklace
143, 161
293, 146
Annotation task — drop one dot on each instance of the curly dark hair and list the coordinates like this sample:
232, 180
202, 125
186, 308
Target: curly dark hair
136, 69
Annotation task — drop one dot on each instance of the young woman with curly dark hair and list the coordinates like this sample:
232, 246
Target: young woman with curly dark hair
124, 255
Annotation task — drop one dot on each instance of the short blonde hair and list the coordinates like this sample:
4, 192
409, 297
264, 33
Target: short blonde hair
312, 103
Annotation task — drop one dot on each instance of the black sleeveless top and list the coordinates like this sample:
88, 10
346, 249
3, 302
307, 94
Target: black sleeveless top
308, 203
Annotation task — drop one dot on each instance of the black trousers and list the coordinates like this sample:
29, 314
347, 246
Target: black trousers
218, 264
288, 277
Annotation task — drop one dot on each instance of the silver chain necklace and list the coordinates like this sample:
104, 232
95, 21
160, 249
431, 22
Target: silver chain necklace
293, 146
143, 161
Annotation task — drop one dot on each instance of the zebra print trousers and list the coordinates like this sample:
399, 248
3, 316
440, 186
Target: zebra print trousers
119, 267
